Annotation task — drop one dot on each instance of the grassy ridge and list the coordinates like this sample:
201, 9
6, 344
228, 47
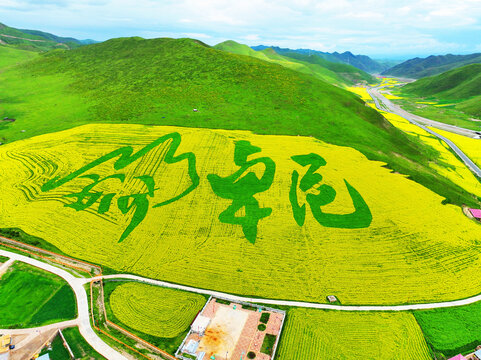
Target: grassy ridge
33, 40
334, 73
421, 67
462, 85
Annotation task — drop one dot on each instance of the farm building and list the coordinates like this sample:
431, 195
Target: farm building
224, 330
458, 357
200, 324
476, 213
331, 298
477, 353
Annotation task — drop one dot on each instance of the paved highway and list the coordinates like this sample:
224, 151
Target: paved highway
384, 104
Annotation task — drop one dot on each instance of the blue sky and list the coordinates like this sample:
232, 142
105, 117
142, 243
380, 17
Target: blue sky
383, 29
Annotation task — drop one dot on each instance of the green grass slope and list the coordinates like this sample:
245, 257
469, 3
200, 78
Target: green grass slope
421, 67
333, 73
160, 81
462, 85
10, 56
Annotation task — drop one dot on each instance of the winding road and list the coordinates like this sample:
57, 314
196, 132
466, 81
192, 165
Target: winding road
83, 319
384, 104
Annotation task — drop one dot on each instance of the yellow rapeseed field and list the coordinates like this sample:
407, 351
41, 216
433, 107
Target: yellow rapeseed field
272, 216
154, 310
362, 92
457, 172
317, 334
470, 146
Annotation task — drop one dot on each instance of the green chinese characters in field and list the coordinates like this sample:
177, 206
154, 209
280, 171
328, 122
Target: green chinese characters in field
360, 218
138, 202
240, 187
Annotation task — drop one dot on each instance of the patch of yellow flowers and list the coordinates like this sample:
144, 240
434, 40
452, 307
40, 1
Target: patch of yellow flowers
415, 250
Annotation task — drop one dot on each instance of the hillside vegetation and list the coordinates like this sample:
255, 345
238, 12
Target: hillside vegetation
362, 62
462, 85
333, 73
33, 40
11, 56
421, 67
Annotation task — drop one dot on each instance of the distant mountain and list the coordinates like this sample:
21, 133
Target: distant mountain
361, 62
58, 39
421, 67
461, 85
35, 40
334, 73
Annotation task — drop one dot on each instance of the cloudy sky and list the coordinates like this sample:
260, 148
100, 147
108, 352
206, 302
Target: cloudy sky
383, 29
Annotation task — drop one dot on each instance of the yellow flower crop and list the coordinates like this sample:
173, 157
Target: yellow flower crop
317, 334
177, 228
471, 147
154, 310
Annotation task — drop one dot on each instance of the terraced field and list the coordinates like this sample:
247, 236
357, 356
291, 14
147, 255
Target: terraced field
156, 311
317, 334
171, 203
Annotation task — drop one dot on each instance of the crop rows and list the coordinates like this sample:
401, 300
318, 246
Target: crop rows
318, 334
155, 311
407, 254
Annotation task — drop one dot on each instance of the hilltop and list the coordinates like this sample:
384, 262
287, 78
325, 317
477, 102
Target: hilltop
334, 73
461, 85
35, 40
161, 81
421, 67
361, 62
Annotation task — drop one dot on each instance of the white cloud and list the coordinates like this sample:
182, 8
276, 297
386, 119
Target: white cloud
198, 35
373, 26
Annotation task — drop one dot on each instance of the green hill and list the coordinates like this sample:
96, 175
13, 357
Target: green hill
421, 67
34, 40
461, 85
161, 81
334, 73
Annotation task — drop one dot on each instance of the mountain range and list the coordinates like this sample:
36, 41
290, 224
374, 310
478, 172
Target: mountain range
362, 62
432, 65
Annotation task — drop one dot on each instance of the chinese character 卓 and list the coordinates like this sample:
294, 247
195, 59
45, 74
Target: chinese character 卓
241, 186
